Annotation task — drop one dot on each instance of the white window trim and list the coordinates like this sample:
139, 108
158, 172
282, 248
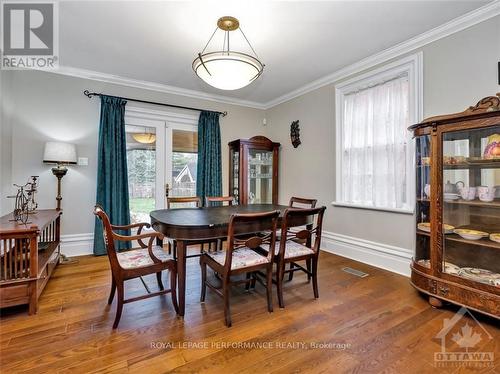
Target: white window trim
164, 122
413, 66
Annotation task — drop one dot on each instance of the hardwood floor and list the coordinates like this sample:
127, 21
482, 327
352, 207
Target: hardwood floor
379, 324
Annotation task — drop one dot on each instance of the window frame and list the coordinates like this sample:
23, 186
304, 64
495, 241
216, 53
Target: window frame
411, 65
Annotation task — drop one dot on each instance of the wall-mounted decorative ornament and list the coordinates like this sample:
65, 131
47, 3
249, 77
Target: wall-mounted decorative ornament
295, 134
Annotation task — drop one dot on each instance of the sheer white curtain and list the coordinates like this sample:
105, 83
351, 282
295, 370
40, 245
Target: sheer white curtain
374, 154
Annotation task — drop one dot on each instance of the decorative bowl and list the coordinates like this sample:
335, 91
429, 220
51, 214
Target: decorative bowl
470, 234
495, 237
426, 226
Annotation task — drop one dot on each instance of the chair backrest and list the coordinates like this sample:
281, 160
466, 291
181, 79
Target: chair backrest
107, 235
218, 199
294, 216
300, 202
183, 200
262, 222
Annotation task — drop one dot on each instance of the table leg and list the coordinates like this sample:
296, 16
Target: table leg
181, 276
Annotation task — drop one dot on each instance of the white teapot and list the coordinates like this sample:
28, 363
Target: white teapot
453, 187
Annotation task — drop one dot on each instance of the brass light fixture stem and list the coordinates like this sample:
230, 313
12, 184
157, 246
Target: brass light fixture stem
59, 171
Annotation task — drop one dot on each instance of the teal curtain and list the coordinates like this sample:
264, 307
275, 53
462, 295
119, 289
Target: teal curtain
112, 178
209, 174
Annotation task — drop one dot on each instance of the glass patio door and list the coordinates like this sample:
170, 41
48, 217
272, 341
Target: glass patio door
161, 160
181, 159
146, 149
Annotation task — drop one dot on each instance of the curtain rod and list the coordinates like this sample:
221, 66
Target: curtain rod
91, 94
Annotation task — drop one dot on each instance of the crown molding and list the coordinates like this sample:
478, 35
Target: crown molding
152, 86
458, 24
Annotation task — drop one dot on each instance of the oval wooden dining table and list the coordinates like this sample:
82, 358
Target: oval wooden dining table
194, 224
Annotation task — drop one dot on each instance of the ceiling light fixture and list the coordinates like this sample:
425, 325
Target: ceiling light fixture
226, 69
144, 138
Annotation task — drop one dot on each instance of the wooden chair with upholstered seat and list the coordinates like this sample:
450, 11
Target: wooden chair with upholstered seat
295, 246
241, 256
131, 264
210, 200
300, 202
193, 200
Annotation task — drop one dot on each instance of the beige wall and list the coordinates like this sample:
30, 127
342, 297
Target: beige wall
458, 71
5, 144
51, 106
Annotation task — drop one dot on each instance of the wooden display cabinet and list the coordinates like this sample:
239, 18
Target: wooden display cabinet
29, 254
253, 170
458, 188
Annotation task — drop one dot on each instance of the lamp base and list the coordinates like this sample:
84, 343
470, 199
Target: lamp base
59, 171
65, 260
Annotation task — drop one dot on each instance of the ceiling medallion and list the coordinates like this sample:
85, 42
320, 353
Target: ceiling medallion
226, 69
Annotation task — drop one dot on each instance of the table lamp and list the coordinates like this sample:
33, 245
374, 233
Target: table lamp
61, 154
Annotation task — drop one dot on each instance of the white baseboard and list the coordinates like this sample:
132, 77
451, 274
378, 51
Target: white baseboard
77, 244
383, 256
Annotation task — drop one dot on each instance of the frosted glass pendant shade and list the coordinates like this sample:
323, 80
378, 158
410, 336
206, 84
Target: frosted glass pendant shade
227, 70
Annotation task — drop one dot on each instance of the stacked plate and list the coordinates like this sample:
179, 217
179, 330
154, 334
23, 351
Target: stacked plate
426, 226
480, 275
474, 274
451, 196
470, 234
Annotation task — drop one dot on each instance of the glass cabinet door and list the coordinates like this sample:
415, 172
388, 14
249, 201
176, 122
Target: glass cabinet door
423, 190
235, 175
260, 176
471, 204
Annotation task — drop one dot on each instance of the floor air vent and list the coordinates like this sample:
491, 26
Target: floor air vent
355, 272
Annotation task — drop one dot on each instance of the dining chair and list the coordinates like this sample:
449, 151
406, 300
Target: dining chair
186, 200
295, 246
219, 200
209, 200
242, 256
299, 202
189, 201
135, 263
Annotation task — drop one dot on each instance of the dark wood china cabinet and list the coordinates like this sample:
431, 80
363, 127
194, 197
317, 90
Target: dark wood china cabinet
253, 170
457, 255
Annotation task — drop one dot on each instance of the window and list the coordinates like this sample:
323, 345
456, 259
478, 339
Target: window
374, 148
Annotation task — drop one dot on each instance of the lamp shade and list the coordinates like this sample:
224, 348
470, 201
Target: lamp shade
59, 153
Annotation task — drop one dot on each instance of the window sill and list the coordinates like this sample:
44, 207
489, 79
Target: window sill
389, 210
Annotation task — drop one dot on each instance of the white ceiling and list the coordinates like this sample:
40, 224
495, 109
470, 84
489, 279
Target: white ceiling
298, 41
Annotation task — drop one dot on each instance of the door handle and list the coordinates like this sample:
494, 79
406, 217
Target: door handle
167, 189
